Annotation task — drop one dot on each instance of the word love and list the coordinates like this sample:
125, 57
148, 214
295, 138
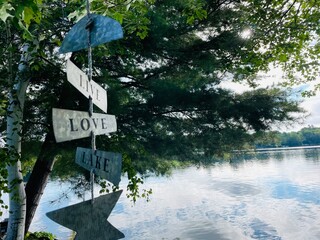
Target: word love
88, 88
69, 125
86, 123
107, 165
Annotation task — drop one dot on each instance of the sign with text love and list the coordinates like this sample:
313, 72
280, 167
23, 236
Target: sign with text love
70, 125
105, 164
88, 88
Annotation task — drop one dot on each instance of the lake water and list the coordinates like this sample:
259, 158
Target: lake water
275, 196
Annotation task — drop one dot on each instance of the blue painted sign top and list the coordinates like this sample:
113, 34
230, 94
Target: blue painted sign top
103, 30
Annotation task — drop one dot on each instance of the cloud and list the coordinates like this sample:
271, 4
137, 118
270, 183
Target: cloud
312, 105
273, 78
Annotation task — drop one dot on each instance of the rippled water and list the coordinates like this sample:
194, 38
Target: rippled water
274, 196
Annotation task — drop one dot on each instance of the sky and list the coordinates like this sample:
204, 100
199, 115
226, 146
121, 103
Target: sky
274, 77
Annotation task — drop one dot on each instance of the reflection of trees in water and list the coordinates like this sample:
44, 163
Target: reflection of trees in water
240, 158
312, 154
249, 156
78, 186
279, 155
263, 156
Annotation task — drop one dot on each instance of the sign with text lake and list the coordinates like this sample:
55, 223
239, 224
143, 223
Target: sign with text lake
88, 88
69, 125
105, 164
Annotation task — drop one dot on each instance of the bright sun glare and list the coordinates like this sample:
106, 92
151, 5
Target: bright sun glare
246, 33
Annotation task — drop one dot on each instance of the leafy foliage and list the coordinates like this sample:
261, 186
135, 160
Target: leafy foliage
21, 14
40, 235
166, 78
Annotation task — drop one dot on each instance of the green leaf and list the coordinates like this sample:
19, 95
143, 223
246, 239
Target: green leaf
283, 58
26, 34
119, 17
27, 15
4, 15
30, 15
201, 13
190, 20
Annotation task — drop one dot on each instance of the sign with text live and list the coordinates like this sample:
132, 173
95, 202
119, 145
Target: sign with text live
105, 164
70, 125
88, 88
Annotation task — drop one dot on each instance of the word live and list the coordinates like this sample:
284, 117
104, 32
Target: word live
88, 88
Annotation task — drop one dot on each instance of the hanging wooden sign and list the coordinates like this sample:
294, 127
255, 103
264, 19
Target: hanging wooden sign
89, 219
105, 164
70, 125
88, 88
104, 29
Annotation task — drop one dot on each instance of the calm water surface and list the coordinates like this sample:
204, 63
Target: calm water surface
274, 196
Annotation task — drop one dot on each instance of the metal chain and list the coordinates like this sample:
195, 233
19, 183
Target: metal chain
92, 185
93, 137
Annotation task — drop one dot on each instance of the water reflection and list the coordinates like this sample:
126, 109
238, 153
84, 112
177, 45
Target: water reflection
301, 194
270, 195
235, 189
313, 155
208, 231
262, 230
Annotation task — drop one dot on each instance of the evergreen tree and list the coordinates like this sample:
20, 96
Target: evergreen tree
165, 78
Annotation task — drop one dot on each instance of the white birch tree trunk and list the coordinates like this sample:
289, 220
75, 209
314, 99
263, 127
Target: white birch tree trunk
17, 201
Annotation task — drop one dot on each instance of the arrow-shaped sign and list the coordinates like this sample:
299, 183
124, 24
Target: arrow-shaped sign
70, 125
105, 164
88, 88
89, 219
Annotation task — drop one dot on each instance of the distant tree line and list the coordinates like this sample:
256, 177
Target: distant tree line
305, 137
166, 84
